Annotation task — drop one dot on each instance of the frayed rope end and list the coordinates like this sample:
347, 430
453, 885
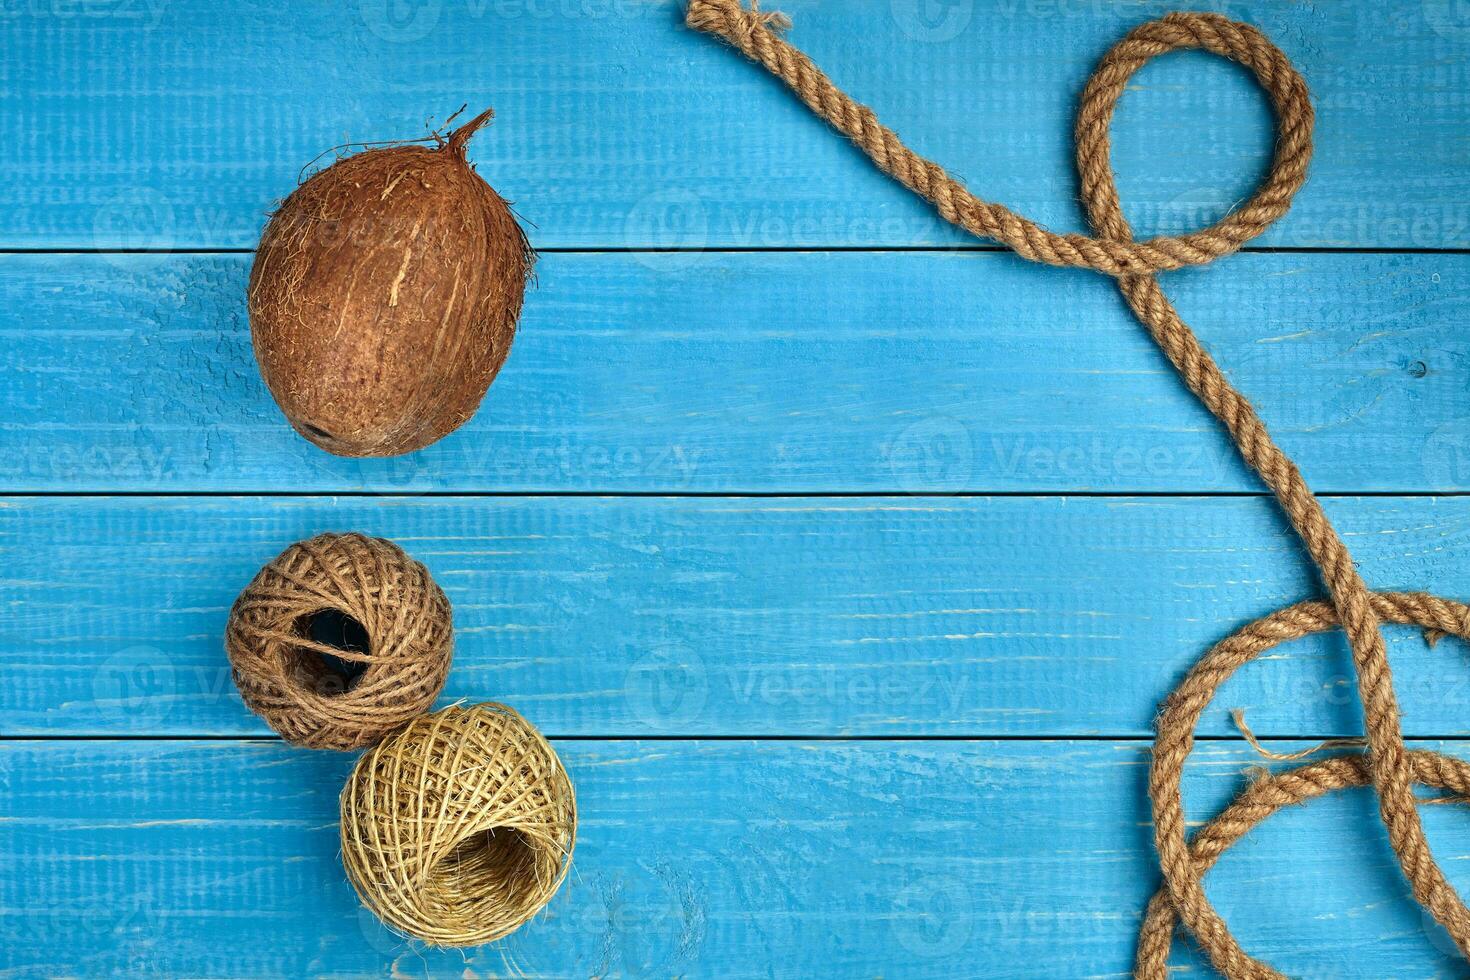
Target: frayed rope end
1237, 715
730, 20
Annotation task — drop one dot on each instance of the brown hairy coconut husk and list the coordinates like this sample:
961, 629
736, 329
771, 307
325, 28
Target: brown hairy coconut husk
384, 297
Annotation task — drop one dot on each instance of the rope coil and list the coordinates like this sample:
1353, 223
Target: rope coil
282, 672
1389, 767
458, 828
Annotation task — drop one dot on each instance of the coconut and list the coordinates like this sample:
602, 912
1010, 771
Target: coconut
384, 297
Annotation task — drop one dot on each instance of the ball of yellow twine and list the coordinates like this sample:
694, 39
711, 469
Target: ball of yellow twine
459, 827
287, 677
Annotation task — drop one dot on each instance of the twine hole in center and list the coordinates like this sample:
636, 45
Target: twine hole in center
496, 865
321, 672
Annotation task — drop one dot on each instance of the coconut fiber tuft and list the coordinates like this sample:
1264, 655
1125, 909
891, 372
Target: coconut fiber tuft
394, 632
459, 827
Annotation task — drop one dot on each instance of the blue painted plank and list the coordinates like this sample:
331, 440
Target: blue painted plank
924, 372
738, 859
772, 616
144, 123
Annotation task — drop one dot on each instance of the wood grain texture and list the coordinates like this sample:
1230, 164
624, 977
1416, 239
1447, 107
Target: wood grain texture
812, 616
738, 859
653, 362
792, 372
179, 124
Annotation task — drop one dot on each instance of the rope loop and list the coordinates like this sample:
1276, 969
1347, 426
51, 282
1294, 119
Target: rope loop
1289, 100
1113, 252
1389, 766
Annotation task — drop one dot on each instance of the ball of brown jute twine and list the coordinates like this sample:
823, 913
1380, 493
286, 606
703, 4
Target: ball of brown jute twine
1389, 767
280, 669
459, 827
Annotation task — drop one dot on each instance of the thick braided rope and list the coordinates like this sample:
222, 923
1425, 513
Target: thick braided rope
1261, 799
1177, 720
1114, 252
751, 33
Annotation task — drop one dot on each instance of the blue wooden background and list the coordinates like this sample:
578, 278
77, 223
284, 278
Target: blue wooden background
845, 558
